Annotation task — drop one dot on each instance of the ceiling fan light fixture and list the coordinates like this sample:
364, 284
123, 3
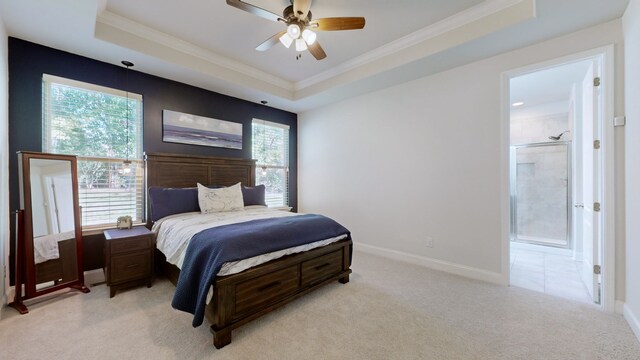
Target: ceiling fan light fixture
309, 36
301, 45
300, 25
286, 40
293, 31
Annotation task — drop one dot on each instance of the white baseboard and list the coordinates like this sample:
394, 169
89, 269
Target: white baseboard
440, 265
10, 294
632, 319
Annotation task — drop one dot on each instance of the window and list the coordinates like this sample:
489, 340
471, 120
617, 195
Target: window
91, 122
271, 151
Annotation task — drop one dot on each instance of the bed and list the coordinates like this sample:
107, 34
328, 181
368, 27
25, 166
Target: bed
244, 296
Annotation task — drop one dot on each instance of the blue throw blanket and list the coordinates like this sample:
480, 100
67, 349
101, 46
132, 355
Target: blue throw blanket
210, 248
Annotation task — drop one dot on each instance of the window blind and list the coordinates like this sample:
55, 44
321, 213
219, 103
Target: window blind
270, 145
91, 121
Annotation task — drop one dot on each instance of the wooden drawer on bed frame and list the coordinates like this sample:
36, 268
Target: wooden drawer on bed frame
316, 270
252, 294
240, 298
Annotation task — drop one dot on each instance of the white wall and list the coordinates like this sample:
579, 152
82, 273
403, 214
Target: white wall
426, 159
537, 128
527, 112
631, 24
4, 162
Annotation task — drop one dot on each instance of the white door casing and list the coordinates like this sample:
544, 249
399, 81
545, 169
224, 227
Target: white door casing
604, 56
591, 186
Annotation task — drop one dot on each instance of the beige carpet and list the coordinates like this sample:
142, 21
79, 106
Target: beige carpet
389, 310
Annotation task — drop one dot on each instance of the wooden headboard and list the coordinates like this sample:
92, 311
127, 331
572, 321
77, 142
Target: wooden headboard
182, 171
179, 171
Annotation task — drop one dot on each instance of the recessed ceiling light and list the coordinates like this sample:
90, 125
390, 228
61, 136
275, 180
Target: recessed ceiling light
517, 103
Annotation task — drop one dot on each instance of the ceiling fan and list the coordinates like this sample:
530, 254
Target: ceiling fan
300, 26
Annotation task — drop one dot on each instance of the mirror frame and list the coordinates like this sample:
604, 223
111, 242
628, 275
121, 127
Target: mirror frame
25, 258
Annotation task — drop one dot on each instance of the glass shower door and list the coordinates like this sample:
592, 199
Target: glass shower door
541, 193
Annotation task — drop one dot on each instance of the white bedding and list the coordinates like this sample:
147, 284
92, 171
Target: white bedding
174, 232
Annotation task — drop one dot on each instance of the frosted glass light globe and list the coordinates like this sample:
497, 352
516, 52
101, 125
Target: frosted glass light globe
294, 31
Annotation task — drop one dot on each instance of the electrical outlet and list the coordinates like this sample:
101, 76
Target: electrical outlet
429, 242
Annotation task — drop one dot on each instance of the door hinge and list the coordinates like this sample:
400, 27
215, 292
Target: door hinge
596, 269
596, 82
596, 206
596, 144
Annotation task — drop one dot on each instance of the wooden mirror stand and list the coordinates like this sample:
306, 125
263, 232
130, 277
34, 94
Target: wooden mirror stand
48, 231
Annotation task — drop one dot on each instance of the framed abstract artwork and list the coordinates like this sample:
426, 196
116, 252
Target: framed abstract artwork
190, 129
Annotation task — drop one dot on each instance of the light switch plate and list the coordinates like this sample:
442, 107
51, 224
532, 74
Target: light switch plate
619, 120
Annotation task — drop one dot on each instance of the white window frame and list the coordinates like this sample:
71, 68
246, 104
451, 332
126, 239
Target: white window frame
286, 156
135, 158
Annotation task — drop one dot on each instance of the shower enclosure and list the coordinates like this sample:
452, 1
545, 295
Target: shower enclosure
541, 193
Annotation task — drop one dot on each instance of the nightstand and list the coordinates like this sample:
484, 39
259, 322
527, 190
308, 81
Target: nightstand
128, 257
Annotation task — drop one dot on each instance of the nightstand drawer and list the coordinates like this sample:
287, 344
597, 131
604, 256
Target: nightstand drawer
130, 244
130, 267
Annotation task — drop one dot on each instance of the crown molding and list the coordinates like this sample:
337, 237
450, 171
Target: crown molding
516, 13
439, 28
472, 23
108, 24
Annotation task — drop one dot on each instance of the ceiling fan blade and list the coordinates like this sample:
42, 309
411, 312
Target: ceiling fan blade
316, 50
267, 44
301, 8
254, 10
338, 23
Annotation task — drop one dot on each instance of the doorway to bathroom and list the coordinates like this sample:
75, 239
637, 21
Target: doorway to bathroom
557, 226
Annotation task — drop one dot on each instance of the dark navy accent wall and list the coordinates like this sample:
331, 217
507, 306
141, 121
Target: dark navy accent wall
28, 61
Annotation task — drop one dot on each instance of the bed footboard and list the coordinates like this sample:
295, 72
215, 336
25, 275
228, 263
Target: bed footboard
243, 297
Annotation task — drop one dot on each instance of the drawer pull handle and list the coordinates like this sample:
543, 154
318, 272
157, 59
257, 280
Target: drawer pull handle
269, 286
132, 266
322, 266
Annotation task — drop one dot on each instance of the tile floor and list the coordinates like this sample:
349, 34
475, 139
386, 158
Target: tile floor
554, 273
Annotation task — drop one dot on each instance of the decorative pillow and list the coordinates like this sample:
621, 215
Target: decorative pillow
169, 201
219, 200
253, 195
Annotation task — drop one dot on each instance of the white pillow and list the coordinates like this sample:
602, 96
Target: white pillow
221, 199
